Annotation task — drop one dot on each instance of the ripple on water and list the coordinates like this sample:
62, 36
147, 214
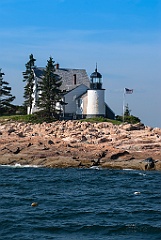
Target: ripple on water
79, 204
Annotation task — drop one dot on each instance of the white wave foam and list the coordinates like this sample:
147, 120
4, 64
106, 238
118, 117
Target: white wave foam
128, 169
142, 174
18, 165
137, 193
95, 167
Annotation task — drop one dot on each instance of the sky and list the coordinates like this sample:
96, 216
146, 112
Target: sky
122, 36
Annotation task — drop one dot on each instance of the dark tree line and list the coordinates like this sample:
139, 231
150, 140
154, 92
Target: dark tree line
6, 98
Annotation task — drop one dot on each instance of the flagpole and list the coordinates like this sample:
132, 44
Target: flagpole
123, 108
126, 91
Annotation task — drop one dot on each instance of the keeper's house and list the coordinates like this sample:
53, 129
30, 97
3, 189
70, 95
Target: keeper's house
81, 97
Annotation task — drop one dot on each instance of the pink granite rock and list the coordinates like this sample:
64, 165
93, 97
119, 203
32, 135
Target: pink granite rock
72, 143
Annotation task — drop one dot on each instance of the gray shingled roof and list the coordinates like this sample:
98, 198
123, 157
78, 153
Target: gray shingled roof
67, 77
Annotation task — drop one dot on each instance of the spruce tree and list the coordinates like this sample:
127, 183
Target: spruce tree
50, 91
128, 117
5, 95
29, 79
127, 111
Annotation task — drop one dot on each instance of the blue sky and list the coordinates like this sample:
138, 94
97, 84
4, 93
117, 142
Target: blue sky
122, 36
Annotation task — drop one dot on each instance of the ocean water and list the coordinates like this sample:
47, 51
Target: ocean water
78, 204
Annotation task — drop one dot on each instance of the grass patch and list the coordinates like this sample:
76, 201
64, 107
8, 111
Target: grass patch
37, 119
21, 118
101, 119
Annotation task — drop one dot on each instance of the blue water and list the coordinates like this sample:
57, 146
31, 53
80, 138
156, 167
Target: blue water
78, 204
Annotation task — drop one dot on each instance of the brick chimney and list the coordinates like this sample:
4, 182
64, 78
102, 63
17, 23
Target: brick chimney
74, 79
57, 65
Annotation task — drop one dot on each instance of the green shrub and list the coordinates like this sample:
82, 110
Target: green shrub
129, 119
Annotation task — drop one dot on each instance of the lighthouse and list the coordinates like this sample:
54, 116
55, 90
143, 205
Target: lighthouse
95, 96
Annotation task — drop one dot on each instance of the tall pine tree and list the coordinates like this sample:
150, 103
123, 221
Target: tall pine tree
5, 95
50, 91
29, 80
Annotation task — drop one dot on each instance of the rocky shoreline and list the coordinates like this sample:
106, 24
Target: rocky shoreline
77, 144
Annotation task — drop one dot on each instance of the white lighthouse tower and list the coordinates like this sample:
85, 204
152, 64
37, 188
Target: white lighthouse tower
95, 96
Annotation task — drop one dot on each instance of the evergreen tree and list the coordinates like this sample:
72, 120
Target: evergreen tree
29, 79
127, 116
127, 111
49, 91
5, 95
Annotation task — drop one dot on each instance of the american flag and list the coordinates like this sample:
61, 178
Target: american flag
128, 91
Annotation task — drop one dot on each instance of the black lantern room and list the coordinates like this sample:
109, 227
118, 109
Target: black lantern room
96, 80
